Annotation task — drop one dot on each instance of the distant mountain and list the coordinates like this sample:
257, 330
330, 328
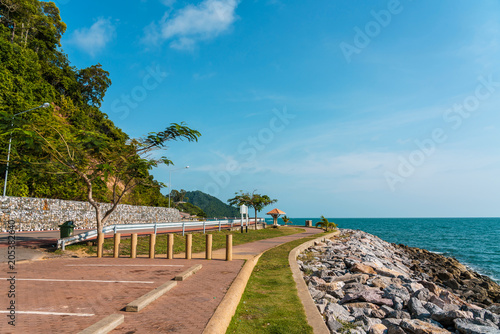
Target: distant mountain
212, 206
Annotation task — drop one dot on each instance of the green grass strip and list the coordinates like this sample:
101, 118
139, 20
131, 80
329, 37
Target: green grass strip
218, 241
270, 303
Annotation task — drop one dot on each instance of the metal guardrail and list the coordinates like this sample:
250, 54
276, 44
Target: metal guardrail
61, 243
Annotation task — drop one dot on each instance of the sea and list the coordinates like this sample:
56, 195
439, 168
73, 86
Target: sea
474, 242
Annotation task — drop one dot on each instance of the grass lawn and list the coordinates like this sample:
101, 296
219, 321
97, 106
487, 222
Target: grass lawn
218, 241
270, 303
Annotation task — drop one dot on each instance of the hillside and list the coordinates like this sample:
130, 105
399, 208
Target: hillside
212, 206
35, 70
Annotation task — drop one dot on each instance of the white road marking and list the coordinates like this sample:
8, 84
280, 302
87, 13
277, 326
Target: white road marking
124, 265
76, 280
52, 313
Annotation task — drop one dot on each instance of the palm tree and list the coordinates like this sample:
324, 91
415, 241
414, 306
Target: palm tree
324, 223
286, 220
256, 201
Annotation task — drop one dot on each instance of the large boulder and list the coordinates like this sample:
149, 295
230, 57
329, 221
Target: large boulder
362, 268
417, 310
415, 326
446, 318
373, 296
467, 326
400, 292
378, 329
339, 312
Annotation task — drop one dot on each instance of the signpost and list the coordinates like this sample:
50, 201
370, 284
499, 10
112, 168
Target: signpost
244, 211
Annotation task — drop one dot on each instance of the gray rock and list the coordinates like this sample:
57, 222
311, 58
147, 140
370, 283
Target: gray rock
392, 291
438, 301
357, 330
393, 329
450, 307
495, 308
339, 312
365, 322
492, 317
353, 287
386, 309
446, 318
391, 322
321, 308
467, 326
378, 313
398, 303
339, 294
373, 296
417, 310
330, 298
432, 308
399, 315
423, 294
316, 294
415, 326
333, 324
413, 287
357, 312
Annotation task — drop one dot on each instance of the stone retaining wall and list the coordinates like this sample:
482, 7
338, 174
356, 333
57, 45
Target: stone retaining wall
41, 214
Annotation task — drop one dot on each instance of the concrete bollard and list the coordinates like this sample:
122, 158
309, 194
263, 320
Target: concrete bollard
133, 246
100, 242
116, 249
189, 246
170, 246
229, 247
152, 243
208, 250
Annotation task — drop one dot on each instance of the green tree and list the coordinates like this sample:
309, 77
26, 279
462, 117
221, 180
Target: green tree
286, 220
327, 225
95, 159
255, 201
178, 196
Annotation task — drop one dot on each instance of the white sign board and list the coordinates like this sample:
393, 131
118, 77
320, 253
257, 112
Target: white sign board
244, 210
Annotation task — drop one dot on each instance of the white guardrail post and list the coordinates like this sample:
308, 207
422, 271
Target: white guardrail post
183, 227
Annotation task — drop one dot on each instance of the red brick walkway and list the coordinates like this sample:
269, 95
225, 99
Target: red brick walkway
187, 308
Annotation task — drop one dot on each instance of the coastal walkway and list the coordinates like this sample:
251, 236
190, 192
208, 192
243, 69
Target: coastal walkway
69, 295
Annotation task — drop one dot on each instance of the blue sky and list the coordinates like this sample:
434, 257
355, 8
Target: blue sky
335, 108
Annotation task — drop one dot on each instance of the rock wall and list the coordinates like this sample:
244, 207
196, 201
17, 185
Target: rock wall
41, 214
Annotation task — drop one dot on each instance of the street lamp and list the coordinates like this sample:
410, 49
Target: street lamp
45, 105
170, 181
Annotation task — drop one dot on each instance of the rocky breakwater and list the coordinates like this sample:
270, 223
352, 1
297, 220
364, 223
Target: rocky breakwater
362, 284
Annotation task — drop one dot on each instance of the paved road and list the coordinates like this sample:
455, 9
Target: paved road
185, 309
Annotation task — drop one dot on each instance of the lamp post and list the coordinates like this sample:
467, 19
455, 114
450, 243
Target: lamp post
45, 105
170, 181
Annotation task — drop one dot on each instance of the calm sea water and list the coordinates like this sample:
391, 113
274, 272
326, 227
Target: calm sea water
473, 241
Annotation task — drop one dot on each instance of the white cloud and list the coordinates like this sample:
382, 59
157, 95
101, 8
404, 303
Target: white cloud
92, 40
192, 24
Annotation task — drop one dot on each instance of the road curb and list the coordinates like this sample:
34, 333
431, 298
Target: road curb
106, 325
224, 313
185, 274
141, 302
314, 318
